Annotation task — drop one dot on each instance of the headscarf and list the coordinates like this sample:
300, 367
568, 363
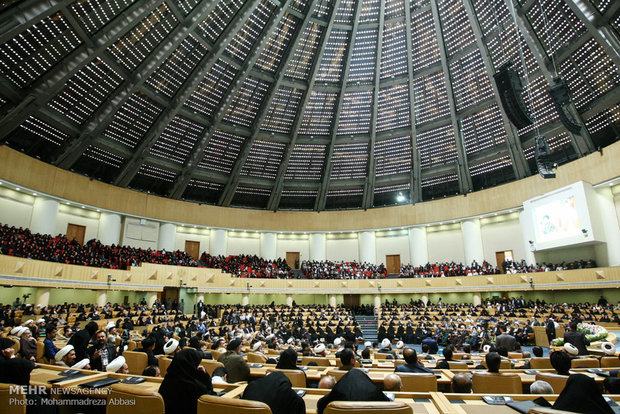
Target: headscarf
355, 385
276, 391
184, 383
16, 371
288, 359
581, 395
194, 342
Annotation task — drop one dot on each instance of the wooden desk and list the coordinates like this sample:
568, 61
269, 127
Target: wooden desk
420, 402
40, 376
312, 373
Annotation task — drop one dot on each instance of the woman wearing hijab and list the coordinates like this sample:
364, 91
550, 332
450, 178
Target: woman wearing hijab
288, 360
353, 386
184, 383
276, 391
581, 395
81, 340
17, 371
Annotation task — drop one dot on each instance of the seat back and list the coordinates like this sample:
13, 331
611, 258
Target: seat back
503, 364
320, 361
381, 355
144, 401
136, 361
209, 365
515, 355
540, 363
210, 404
17, 407
216, 354
585, 363
296, 376
40, 353
131, 345
254, 357
367, 407
488, 383
557, 382
337, 374
418, 382
457, 365
164, 363
608, 362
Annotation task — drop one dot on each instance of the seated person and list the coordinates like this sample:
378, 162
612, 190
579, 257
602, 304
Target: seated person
447, 357
185, 381
101, 353
236, 367
276, 391
50, 347
431, 343
118, 365
392, 382
347, 357
541, 387
219, 376
561, 362
355, 385
327, 382
151, 371
66, 357
493, 360
611, 385
581, 395
148, 345
27, 344
366, 353
412, 364
461, 383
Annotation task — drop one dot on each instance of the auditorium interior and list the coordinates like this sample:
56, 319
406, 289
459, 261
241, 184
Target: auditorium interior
309, 206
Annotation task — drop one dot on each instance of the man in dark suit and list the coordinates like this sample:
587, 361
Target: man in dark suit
503, 339
576, 338
412, 364
101, 353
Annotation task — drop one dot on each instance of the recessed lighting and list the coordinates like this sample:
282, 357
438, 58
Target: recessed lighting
17, 188
98, 211
34, 194
67, 203
83, 207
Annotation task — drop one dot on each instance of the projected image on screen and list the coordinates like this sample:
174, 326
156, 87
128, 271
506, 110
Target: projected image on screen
557, 220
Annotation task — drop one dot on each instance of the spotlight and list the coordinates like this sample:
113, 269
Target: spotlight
400, 197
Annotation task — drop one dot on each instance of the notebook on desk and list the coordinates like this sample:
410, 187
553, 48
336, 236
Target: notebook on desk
525, 406
66, 378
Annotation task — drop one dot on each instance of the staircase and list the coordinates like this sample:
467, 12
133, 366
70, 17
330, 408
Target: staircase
368, 325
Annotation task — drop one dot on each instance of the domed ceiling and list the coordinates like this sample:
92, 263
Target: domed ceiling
303, 104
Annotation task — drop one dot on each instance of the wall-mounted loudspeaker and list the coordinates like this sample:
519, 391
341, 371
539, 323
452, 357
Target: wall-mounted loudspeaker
510, 91
560, 95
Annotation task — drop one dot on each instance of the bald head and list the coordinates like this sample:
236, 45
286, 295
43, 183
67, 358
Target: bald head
392, 382
461, 383
410, 355
327, 382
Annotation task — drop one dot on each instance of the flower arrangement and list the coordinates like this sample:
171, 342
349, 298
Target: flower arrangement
593, 333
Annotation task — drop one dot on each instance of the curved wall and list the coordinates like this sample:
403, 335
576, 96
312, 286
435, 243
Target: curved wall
20, 169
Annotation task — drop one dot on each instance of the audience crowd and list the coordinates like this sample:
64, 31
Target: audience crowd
327, 269
510, 267
248, 266
21, 242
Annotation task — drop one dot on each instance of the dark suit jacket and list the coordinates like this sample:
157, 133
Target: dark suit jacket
416, 368
507, 341
96, 363
578, 339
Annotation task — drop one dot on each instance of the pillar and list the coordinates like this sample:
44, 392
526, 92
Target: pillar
332, 301
218, 242
102, 297
318, 248
472, 241
477, 300
527, 232
109, 228
367, 247
245, 299
377, 301
44, 215
268, 246
425, 299
167, 236
418, 246
152, 297
289, 300
608, 253
43, 297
